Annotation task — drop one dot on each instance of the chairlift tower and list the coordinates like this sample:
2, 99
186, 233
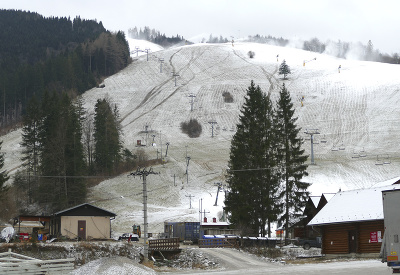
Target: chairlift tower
212, 127
219, 185
144, 173
175, 75
312, 132
187, 169
147, 52
161, 62
191, 101
190, 200
166, 151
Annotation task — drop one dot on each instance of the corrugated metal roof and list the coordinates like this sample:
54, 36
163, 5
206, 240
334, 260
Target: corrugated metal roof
354, 205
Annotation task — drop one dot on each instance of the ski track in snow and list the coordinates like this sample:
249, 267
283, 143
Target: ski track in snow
356, 110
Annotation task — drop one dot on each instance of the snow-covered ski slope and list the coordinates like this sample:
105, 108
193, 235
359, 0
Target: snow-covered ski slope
355, 110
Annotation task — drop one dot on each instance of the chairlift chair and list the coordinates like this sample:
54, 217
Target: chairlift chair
355, 155
341, 147
362, 153
387, 160
378, 161
334, 148
323, 139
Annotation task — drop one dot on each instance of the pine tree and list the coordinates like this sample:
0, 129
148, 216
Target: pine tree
252, 180
106, 137
369, 51
284, 69
3, 174
294, 191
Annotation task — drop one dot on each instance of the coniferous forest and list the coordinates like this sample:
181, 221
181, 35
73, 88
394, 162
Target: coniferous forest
39, 54
45, 64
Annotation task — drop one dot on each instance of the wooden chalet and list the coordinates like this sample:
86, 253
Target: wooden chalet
352, 221
83, 222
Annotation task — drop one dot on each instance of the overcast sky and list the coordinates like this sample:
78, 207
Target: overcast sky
347, 20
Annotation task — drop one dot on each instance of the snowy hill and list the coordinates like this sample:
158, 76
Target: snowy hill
355, 110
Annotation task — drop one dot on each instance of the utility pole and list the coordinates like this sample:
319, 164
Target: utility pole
190, 199
312, 132
147, 132
175, 75
201, 211
144, 173
212, 127
191, 102
161, 61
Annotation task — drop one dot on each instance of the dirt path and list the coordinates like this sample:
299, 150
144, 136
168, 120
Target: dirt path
236, 262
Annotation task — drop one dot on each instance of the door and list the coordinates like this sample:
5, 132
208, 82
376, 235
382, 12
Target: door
352, 241
82, 230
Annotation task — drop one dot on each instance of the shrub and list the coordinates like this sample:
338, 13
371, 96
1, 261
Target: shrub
192, 128
251, 54
228, 98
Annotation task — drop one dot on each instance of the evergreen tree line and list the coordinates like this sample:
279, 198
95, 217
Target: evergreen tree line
215, 39
155, 36
266, 165
62, 145
40, 54
268, 40
341, 49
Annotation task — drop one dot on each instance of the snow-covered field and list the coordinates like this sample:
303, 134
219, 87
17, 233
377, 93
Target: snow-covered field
355, 110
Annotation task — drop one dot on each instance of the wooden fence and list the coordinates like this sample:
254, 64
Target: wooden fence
218, 242
164, 244
13, 263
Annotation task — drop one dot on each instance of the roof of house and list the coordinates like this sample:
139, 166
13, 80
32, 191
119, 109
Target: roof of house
85, 209
214, 224
354, 205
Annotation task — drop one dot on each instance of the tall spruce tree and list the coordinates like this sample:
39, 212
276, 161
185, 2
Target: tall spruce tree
252, 180
31, 143
107, 140
53, 151
294, 190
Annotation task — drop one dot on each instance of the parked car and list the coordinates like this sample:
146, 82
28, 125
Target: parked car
127, 236
307, 244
